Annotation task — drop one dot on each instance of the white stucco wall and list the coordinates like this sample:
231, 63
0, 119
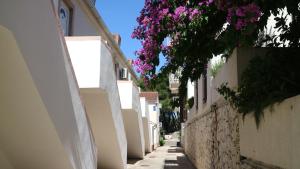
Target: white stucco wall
144, 107
147, 136
4, 162
41, 44
22, 136
109, 84
87, 69
126, 94
154, 124
132, 115
277, 140
190, 89
146, 123
92, 62
86, 137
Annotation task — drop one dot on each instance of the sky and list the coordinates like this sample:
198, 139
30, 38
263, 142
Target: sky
120, 17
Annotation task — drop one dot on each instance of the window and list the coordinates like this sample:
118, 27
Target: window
154, 108
65, 16
196, 95
123, 74
204, 84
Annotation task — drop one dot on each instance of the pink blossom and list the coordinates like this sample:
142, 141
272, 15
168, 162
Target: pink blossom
194, 13
240, 24
244, 15
240, 12
180, 10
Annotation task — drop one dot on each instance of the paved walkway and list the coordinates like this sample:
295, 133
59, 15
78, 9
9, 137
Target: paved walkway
168, 156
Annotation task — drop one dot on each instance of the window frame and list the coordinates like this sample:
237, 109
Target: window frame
70, 6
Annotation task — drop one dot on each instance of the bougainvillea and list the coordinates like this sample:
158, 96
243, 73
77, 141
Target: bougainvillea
188, 33
169, 19
241, 16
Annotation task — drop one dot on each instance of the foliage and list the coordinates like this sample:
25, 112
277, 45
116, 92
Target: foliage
265, 81
190, 102
170, 121
216, 67
161, 141
197, 30
161, 85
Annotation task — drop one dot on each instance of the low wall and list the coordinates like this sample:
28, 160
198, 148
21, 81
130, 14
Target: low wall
277, 140
211, 138
215, 135
216, 138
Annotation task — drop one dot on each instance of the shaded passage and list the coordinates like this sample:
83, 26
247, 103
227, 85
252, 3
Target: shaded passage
169, 156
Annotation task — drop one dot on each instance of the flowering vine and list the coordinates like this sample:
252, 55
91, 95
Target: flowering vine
190, 32
176, 21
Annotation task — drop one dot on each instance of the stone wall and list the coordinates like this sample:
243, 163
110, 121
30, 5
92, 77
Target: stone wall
211, 138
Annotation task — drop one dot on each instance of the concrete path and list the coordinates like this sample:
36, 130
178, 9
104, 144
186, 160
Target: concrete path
168, 156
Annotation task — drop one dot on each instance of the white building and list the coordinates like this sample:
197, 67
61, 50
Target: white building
131, 108
146, 124
152, 100
60, 102
43, 123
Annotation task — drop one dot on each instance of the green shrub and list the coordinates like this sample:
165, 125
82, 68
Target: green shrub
190, 103
161, 141
215, 68
265, 81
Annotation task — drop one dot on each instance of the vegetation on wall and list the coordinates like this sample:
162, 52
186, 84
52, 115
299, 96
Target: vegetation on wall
190, 103
215, 68
267, 80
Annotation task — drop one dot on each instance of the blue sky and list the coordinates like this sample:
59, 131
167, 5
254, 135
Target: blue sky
120, 17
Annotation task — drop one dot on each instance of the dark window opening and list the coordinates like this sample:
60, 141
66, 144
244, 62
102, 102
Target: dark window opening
204, 84
197, 97
65, 13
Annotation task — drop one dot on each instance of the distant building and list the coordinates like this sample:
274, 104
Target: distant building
152, 100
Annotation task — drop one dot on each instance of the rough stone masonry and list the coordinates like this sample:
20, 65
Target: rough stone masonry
212, 138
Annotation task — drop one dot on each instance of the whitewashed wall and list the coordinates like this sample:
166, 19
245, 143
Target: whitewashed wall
92, 61
36, 31
277, 140
154, 124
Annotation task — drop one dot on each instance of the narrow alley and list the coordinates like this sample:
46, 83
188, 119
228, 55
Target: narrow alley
169, 156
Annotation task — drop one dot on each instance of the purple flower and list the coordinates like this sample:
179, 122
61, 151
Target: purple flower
165, 11
243, 15
230, 14
240, 24
180, 10
240, 12
193, 13
206, 2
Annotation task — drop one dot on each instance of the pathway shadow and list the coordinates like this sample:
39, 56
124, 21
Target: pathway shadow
181, 162
132, 161
175, 150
